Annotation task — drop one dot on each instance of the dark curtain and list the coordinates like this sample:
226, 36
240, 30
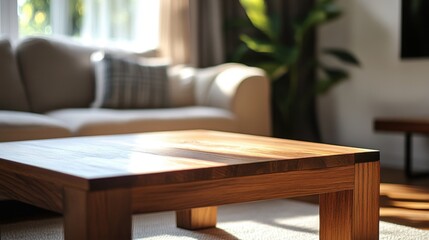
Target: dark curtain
206, 22
232, 10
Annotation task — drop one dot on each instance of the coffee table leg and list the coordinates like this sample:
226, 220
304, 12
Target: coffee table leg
336, 215
353, 214
197, 218
97, 215
366, 212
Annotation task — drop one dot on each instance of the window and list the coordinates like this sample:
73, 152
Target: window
129, 24
46, 17
121, 22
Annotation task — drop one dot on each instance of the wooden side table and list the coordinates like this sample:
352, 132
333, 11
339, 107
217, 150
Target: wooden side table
408, 126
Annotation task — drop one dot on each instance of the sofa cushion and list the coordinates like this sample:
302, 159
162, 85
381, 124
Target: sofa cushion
15, 126
109, 121
181, 83
12, 94
56, 74
129, 83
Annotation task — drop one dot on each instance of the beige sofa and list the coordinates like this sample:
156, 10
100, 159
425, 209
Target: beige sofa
47, 87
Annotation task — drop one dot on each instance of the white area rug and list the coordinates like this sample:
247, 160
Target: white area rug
275, 219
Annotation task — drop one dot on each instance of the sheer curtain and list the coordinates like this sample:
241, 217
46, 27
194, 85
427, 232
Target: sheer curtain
9, 20
175, 31
130, 23
191, 32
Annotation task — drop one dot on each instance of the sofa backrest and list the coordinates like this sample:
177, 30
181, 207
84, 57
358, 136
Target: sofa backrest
56, 74
12, 93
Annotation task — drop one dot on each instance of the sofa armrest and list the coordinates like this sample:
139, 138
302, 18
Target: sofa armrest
245, 91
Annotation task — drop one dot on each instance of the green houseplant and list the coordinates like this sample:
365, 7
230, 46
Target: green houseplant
265, 48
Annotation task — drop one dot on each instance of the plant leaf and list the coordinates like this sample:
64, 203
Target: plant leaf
257, 45
274, 70
330, 8
256, 10
333, 77
279, 72
287, 55
239, 53
343, 55
276, 25
335, 73
301, 29
233, 24
323, 12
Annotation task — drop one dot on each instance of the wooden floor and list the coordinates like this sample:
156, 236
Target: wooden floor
404, 202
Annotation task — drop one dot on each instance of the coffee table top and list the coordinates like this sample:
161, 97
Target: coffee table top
101, 162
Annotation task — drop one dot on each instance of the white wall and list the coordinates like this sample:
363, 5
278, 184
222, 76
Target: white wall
384, 86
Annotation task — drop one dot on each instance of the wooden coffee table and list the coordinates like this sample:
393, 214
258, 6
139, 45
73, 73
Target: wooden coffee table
99, 182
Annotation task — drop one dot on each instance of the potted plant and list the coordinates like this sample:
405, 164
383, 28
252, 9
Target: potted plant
283, 63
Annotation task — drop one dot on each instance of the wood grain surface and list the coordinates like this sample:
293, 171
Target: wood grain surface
366, 211
353, 214
241, 189
336, 215
105, 162
197, 218
39, 193
102, 215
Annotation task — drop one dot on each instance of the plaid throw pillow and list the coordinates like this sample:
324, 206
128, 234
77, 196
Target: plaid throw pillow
124, 84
